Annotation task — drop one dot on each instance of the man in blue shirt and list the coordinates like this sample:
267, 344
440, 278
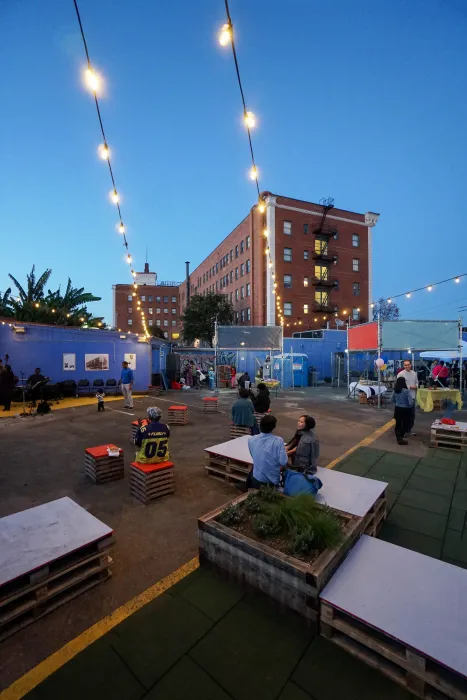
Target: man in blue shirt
269, 455
126, 379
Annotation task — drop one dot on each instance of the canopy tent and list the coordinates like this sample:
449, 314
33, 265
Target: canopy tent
446, 354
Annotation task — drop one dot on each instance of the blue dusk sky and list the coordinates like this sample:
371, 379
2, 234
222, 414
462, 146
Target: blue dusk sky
363, 101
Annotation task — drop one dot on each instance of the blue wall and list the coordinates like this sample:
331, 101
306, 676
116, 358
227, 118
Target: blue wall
319, 350
44, 346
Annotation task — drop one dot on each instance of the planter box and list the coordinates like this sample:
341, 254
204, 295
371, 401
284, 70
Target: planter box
292, 582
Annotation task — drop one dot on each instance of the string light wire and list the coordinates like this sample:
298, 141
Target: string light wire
92, 80
427, 287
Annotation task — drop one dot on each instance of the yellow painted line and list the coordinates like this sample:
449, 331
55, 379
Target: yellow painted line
39, 673
363, 443
65, 403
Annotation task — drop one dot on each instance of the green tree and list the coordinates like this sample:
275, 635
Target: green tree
157, 332
385, 311
5, 303
201, 315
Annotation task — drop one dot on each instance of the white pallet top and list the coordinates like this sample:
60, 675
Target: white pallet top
460, 427
346, 492
37, 536
418, 600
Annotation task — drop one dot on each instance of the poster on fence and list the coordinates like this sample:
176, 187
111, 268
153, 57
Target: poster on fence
69, 361
130, 357
96, 363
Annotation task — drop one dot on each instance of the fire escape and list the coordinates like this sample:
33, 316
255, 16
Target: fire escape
324, 258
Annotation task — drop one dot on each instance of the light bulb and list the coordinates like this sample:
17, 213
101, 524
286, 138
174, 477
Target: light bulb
121, 228
92, 80
135, 286
68, 315
372, 306
267, 251
429, 288
99, 324
270, 265
103, 151
37, 305
408, 295
134, 294
457, 280
114, 197
249, 119
266, 233
225, 35
389, 301
82, 320
128, 259
358, 310
254, 172
134, 275
261, 207
53, 311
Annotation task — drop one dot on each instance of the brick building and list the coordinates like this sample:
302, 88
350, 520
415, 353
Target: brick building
317, 266
160, 301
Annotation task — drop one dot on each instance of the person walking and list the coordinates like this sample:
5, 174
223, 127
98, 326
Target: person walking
7, 387
403, 409
412, 385
126, 379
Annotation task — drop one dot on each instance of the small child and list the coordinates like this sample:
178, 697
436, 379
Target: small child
100, 400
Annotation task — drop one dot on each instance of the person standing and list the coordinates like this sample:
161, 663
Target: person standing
243, 412
403, 409
441, 373
7, 387
411, 380
126, 379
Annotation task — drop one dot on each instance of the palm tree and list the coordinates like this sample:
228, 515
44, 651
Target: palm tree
72, 305
5, 303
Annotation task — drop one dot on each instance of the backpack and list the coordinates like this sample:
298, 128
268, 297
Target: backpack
297, 482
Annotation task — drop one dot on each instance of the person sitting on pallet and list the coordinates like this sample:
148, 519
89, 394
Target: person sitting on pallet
152, 439
243, 414
269, 456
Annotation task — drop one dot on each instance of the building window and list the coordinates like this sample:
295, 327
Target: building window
236, 251
356, 240
150, 310
305, 255
231, 255
242, 246
287, 308
217, 268
287, 254
231, 276
236, 273
288, 281
158, 322
130, 321
174, 311
166, 323
356, 289
231, 297
166, 311
204, 279
158, 300
355, 265
248, 266
130, 298
158, 311
248, 314
236, 295
174, 323
150, 322
248, 289
242, 269
243, 315
236, 317
217, 286
150, 300
305, 308
306, 281
321, 246
287, 227
247, 242
166, 299
174, 300
305, 228
242, 293
355, 314
321, 272
130, 310
143, 298
321, 297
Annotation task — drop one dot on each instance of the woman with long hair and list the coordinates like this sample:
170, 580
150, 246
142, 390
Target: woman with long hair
403, 410
303, 449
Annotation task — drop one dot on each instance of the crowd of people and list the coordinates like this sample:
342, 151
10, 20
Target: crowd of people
8, 382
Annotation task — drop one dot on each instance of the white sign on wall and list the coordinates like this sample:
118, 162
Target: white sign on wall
69, 361
130, 357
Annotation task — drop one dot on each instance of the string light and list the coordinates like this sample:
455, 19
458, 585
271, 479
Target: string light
254, 173
261, 207
225, 35
408, 295
428, 288
457, 280
266, 233
389, 301
249, 119
94, 83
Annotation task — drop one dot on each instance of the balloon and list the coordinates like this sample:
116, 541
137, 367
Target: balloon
383, 367
379, 362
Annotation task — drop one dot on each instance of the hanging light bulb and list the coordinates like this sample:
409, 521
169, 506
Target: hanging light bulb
37, 305
103, 151
135, 286
429, 288
114, 197
408, 295
254, 173
121, 228
92, 79
250, 120
270, 265
266, 233
261, 207
134, 275
457, 280
267, 251
82, 320
389, 301
372, 306
225, 35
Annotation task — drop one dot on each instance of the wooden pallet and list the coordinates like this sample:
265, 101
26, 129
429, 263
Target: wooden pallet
76, 588
220, 475
152, 481
154, 390
376, 517
238, 431
418, 674
210, 404
178, 415
448, 439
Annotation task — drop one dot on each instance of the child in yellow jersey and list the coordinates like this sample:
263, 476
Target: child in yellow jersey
152, 439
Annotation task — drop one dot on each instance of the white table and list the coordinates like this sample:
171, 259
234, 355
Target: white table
346, 492
356, 386
35, 537
418, 600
